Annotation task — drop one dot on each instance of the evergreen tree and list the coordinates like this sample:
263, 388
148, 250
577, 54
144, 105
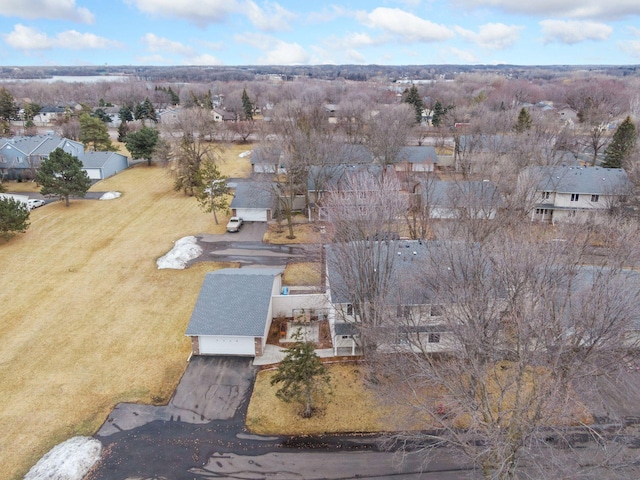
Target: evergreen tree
125, 114
146, 111
413, 98
212, 191
247, 106
524, 121
14, 217
123, 131
438, 114
142, 144
94, 133
8, 107
62, 175
621, 146
304, 378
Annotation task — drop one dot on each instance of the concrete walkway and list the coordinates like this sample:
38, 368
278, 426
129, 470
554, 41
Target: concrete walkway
273, 354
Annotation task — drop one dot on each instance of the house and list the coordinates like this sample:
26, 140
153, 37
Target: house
233, 312
461, 199
568, 115
101, 165
169, 116
49, 114
253, 202
223, 116
416, 159
267, 159
409, 314
571, 193
20, 157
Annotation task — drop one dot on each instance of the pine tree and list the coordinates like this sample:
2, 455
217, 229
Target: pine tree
524, 121
94, 133
438, 114
621, 146
247, 106
212, 191
62, 175
305, 379
14, 217
413, 98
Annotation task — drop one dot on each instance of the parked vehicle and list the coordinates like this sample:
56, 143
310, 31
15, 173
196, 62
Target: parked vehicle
34, 203
234, 224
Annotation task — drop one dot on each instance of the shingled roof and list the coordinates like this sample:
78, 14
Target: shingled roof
233, 301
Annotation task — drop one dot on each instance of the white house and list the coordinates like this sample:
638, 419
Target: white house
572, 193
233, 311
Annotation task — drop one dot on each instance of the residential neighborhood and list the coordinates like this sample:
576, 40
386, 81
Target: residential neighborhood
431, 269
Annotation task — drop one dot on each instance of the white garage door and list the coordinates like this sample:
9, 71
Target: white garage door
222, 345
252, 214
94, 173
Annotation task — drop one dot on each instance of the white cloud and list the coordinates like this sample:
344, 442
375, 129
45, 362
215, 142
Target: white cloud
200, 12
204, 59
274, 18
565, 8
27, 38
631, 48
51, 9
164, 45
494, 36
407, 26
284, 53
328, 14
570, 32
463, 55
357, 40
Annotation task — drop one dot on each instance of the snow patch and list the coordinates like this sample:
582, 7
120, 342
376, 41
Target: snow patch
245, 154
110, 195
183, 250
70, 460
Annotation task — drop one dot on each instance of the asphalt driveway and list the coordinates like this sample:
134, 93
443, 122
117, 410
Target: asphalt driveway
212, 388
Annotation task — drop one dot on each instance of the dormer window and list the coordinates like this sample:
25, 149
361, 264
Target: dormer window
575, 197
546, 195
595, 198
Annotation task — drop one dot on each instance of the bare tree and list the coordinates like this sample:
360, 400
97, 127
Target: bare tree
388, 130
519, 325
365, 211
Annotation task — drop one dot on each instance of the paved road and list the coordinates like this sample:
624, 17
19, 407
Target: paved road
200, 435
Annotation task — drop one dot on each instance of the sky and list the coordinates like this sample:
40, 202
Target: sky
312, 32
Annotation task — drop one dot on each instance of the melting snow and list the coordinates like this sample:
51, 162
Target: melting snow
70, 460
183, 250
110, 195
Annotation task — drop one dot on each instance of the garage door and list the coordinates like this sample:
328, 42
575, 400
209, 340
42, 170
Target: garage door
227, 345
252, 214
94, 173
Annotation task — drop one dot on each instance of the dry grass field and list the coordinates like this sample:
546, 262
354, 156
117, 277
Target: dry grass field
87, 319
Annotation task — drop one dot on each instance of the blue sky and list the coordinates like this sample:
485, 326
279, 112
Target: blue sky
298, 32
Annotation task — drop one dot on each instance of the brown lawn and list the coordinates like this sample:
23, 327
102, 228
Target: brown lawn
352, 408
87, 318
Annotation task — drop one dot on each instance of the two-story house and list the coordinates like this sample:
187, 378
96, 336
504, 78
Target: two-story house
571, 193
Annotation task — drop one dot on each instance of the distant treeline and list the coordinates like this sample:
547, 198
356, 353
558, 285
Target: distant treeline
326, 72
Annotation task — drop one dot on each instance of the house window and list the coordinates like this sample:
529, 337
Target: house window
436, 311
349, 309
403, 311
542, 211
546, 195
402, 338
595, 198
434, 338
575, 197
345, 337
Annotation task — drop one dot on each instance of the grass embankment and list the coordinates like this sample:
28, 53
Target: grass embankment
87, 319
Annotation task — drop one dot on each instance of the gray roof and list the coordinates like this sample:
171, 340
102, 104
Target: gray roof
233, 301
97, 159
417, 154
587, 180
253, 195
266, 155
462, 193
